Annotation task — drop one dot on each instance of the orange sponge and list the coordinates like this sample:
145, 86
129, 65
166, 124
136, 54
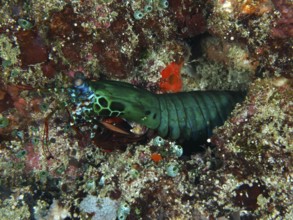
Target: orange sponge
171, 79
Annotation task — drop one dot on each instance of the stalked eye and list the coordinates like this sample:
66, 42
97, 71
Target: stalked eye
78, 82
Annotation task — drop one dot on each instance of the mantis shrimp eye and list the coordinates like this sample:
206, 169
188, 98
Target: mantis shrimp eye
81, 84
78, 78
78, 82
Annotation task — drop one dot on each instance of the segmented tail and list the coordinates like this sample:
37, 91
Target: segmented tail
194, 115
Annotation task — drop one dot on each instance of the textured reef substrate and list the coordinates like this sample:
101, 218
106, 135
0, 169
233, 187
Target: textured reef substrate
52, 168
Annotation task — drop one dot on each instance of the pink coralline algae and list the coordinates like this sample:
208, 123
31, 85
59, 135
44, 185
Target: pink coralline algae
51, 159
190, 18
284, 25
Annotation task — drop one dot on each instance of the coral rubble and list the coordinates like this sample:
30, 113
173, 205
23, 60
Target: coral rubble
51, 167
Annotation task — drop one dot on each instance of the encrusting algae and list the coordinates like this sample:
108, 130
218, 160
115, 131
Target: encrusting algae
56, 165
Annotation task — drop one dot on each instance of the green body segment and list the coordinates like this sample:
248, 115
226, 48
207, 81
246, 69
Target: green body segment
194, 115
123, 100
185, 116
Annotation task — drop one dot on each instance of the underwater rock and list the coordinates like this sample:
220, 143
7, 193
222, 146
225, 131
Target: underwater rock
284, 25
49, 165
189, 17
32, 47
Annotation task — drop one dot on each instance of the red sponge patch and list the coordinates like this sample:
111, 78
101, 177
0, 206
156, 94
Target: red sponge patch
171, 79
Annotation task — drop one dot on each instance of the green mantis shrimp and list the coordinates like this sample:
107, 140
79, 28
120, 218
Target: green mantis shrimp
179, 116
